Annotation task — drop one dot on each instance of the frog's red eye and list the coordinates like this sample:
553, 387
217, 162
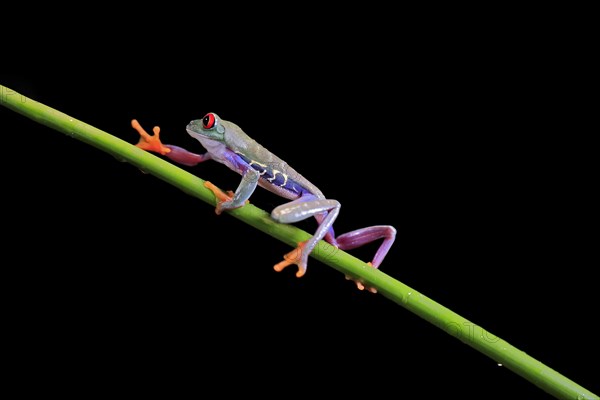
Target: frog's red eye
208, 121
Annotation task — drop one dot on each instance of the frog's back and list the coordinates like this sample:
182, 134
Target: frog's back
277, 176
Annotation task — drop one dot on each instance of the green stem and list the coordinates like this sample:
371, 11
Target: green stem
445, 319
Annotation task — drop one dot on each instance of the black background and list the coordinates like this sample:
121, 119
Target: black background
449, 144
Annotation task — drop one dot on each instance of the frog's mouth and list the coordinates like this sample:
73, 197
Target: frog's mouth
194, 133
201, 136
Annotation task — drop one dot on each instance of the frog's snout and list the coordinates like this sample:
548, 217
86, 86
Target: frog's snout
195, 126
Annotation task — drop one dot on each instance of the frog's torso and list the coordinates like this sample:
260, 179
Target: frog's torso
239, 152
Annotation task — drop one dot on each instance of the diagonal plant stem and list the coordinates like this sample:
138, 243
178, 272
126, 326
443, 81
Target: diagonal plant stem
473, 335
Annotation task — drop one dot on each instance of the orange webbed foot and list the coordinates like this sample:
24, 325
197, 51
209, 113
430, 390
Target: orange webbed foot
150, 142
220, 195
293, 257
360, 285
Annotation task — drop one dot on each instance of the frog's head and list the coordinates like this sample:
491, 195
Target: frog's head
209, 127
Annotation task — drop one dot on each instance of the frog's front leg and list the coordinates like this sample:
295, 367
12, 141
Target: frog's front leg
240, 196
298, 210
178, 154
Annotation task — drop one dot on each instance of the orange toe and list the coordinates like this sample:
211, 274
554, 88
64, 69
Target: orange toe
149, 142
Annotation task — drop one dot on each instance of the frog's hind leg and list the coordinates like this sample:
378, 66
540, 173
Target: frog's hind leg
360, 237
325, 212
298, 210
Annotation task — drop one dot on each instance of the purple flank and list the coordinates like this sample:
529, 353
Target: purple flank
274, 177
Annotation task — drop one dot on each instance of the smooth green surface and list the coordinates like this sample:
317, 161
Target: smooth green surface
475, 336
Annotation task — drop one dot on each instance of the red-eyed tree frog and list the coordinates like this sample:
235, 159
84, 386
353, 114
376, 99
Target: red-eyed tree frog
226, 143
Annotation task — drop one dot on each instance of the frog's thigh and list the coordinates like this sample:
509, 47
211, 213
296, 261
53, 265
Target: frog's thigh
301, 209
